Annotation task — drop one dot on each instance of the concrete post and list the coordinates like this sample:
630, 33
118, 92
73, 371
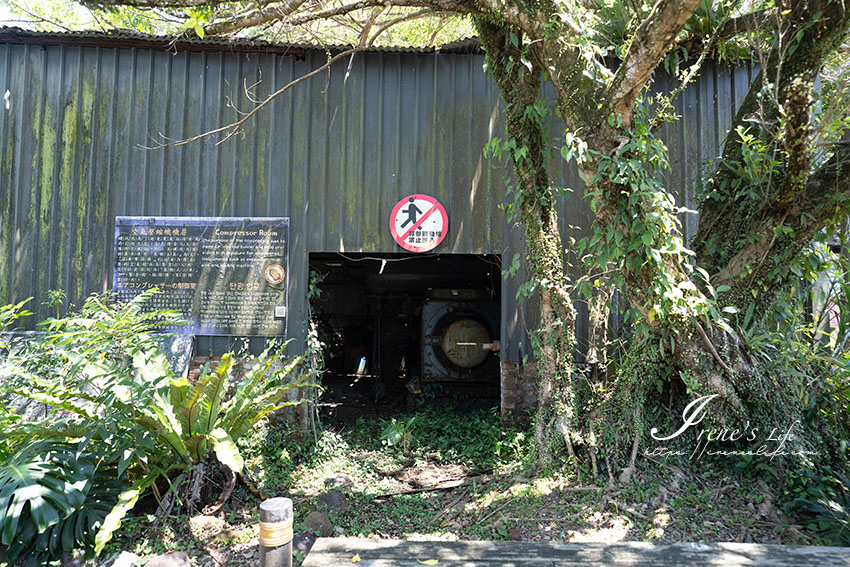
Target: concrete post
276, 532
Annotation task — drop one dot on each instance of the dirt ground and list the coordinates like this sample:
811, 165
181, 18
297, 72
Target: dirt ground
431, 501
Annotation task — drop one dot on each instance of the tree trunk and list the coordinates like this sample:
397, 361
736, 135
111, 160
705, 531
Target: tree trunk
535, 200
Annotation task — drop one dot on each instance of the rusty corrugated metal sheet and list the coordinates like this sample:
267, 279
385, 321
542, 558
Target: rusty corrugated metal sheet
334, 154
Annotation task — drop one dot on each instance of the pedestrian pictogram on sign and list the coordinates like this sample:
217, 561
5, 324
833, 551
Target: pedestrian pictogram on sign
419, 223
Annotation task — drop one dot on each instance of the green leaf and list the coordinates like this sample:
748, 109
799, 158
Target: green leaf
199, 29
225, 449
179, 389
217, 388
748, 315
44, 480
153, 367
126, 501
189, 408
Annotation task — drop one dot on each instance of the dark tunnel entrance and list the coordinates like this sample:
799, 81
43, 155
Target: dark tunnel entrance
402, 331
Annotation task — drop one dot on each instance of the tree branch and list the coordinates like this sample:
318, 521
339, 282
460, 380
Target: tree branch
824, 200
265, 15
100, 4
803, 46
367, 27
651, 40
744, 23
233, 128
511, 14
254, 18
400, 19
665, 112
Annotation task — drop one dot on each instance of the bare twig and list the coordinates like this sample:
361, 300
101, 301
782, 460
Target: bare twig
233, 128
484, 519
153, 3
264, 15
367, 27
440, 25
400, 19
255, 18
443, 486
38, 18
631, 510
464, 496
249, 89
225, 494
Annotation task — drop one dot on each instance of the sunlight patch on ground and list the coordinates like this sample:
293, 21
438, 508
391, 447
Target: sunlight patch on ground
616, 530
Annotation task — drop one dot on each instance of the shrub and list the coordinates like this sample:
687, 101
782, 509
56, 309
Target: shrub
826, 507
119, 417
54, 499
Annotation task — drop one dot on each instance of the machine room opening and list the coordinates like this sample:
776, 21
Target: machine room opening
405, 330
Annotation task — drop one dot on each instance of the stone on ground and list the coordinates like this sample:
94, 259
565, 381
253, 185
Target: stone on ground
318, 523
171, 559
123, 559
333, 503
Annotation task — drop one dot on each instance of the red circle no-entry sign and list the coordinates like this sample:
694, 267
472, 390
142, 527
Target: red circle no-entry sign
419, 223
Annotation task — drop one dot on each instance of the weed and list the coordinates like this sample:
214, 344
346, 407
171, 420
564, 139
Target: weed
826, 506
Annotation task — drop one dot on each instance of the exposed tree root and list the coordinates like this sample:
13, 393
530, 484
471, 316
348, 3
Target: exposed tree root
713, 351
197, 481
225, 494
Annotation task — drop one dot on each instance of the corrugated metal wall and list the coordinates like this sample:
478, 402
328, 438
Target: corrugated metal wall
334, 154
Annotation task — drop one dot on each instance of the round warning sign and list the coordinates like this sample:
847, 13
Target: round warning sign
419, 223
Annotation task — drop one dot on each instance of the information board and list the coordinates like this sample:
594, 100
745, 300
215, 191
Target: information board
226, 275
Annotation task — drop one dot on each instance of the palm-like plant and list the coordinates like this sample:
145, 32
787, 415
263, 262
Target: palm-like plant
113, 394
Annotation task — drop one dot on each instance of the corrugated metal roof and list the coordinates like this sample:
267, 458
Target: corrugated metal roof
131, 38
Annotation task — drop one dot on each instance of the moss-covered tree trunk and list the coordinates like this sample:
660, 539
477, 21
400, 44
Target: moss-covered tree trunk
535, 201
753, 228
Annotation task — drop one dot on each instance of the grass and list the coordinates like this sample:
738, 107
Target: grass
384, 485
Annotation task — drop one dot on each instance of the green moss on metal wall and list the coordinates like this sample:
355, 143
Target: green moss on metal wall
7, 225
45, 162
226, 193
63, 220
77, 284
100, 196
263, 137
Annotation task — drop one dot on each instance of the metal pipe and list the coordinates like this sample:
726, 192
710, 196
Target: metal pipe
276, 532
